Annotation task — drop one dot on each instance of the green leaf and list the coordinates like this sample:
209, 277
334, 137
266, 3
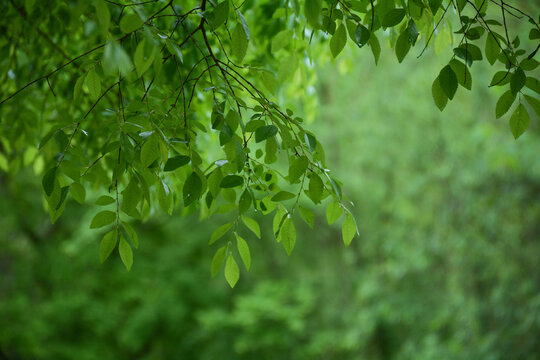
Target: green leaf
132, 234
287, 235
438, 94
500, 78
338, 40
252, 225
245, 201
103, 14
517, 81
375, 47
492, 49
281, 40
219, 232
393, 17
333, 212
282, 196
232, 273
217, 261
239, 42
130, 22
362, 35
126, 254
231, 181
116, 60
264, 132
176, 162
48, 181
310, 141
221, 14
243, 250
164, 197
143, 58
335, 186
150, 151
402, 46
519, 122
269, 80
348, 229
315, 188
105, 200
448, 81
103, 218
462, 73
503, 104
192, 189
107, 245
312, 10
298, 168
94, 84
307, 215
534, 103
78, 192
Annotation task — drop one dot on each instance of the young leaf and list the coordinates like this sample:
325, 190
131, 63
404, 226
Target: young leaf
333, 212
503, 104
132, 234
348, 229
103, 218
315, 188
338, 40
243, 250
492, 48
287, 235
107, 245
78, 192
126, 254
307, 215
519, 122
534, 103
232, 273
130, 22
217, 261
221, 13
252, 225
448, 81
282, 196
312, 10
297, 168
105, 200
239, 42
219, 232
94, 84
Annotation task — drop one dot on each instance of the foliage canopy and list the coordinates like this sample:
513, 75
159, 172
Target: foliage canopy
164, 105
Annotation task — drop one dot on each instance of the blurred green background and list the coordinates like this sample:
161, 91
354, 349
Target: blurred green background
446, 265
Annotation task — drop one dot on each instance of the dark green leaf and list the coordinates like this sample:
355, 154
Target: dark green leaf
264, 132
176, 162
338, 40
393, 17
448, 81
282, 196
362, 35
48, 181
312, 10
519, 122
503, 104
231, 181
192, 188
517, 81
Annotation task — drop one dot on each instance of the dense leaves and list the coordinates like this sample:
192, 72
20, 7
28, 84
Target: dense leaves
179, 106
